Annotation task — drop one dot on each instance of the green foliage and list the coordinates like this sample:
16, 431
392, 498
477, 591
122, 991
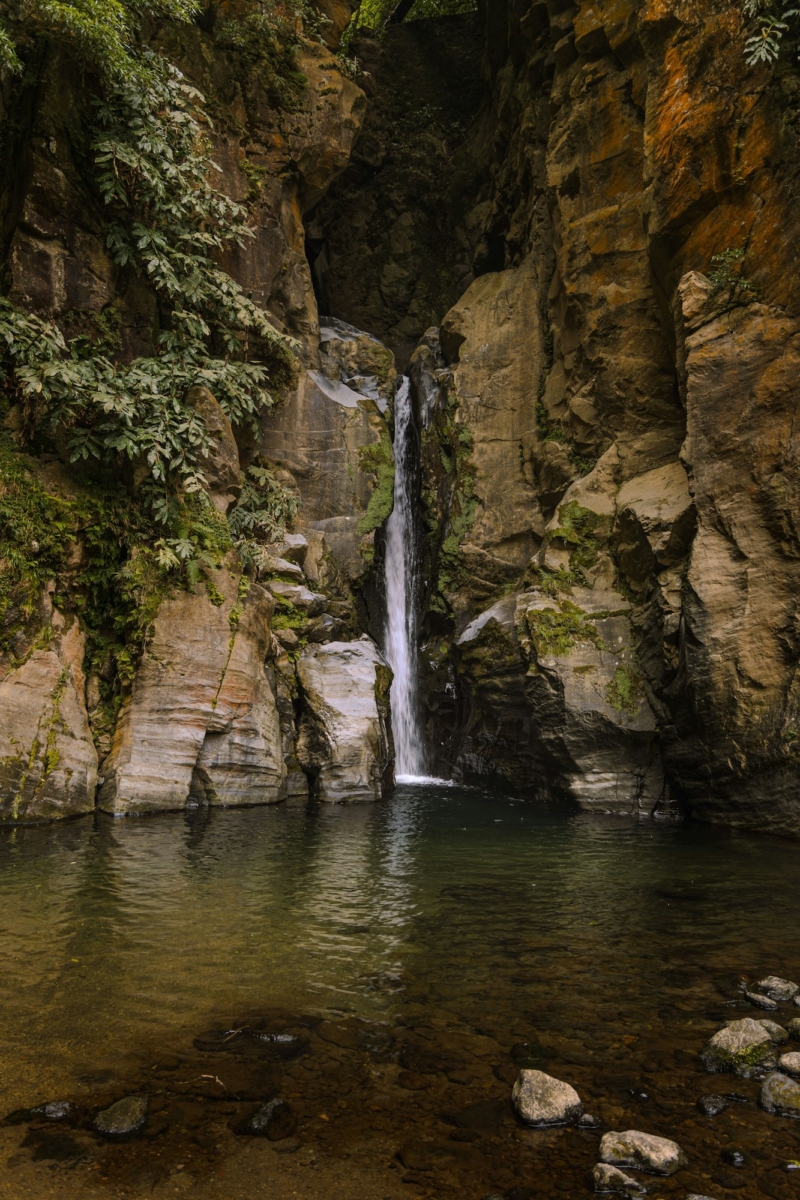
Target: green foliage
375, 13
263, 42
625, 692
262, 512
770, 20
556, 631
726, 271
581, 530
377, 459
153, 165
102, 33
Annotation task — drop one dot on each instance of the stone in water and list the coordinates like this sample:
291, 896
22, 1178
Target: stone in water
644, 1151
123, 1119
541, 1100
610, 1179
780, 1095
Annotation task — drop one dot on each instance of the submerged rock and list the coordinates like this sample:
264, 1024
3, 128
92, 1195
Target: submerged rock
644, 1151
780, 1095
762, 1001
777, 988
713, 1104
54, 1110
275, 1120
793, 1028
740, 1047
123, 1119
607, 1178
541, 1100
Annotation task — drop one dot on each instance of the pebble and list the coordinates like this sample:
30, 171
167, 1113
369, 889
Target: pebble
790, 1063
541, 1100
762, 1001
587, 1121
734, 1158
713, 1104
695, 1196
123, 1119
780, 1095
640, 1150
777, 988
608, 1178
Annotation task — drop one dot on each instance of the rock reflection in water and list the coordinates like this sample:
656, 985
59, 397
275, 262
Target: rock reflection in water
390, 970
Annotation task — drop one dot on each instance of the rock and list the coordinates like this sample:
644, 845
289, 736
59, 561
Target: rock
343, 740
282, 566
587, 1121
790, 1063
740, 1047
713, 1104
311, 603
775, 1031
607, 1178
55, 1110
697, 1196
201, 725
797, 999
793, 1028
287, 638
655, 522
761, 1001
734, 1158
123, 1119
780, 1095
48, 762
644, 1151
275, 1120
294, 547
541, 1100
777, 988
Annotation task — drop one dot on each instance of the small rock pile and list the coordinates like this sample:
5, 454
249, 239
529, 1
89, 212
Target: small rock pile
746, 1048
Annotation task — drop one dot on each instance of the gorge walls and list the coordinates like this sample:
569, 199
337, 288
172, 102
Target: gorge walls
575, 226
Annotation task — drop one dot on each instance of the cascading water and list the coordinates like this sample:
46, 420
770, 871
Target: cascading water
401, 599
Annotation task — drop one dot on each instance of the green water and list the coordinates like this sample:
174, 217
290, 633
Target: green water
618, 946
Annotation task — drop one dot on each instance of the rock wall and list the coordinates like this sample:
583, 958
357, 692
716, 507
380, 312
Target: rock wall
586, 251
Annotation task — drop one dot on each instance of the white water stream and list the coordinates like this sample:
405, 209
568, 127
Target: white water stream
401, 602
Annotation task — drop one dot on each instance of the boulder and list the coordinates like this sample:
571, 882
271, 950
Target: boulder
610, 1179
775, 1031
344, 738
790, 1063
740, 1047
48, 762
644, 1151
655, 523
780, 1095
541, 1100
201, 724
123, 1119
777, 988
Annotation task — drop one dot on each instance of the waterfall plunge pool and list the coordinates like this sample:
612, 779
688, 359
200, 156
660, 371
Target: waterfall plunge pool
418, 952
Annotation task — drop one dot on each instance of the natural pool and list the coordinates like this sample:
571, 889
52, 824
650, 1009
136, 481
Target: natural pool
420, 951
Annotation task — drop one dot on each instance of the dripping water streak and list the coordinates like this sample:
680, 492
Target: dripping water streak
401, 606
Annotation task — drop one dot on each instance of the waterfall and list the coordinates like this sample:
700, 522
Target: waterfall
401, 600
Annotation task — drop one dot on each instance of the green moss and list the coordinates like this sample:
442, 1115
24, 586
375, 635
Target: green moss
625, 692
556, 631
582, 531
377, 460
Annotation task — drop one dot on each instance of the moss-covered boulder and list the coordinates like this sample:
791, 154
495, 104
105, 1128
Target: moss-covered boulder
741, 1048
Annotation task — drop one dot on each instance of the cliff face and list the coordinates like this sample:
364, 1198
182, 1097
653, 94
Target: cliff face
577, 225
